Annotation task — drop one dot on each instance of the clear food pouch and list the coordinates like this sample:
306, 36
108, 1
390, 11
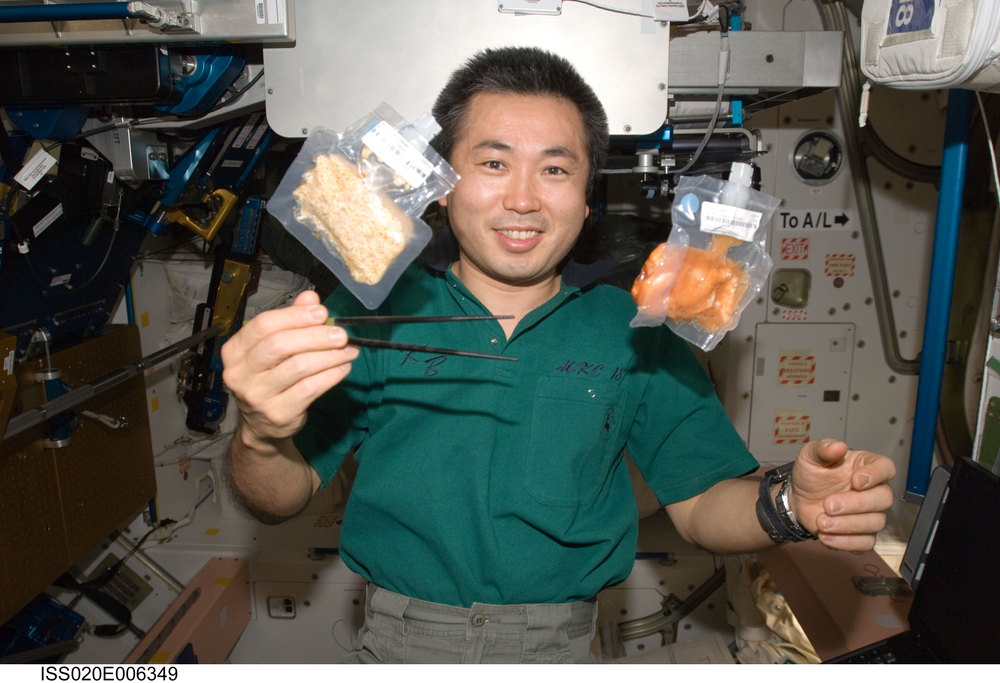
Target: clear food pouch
355, 198
715, 262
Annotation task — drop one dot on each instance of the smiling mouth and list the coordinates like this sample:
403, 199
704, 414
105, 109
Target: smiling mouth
518, 234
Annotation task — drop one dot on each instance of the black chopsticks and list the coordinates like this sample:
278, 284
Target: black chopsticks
403, 319
379, 344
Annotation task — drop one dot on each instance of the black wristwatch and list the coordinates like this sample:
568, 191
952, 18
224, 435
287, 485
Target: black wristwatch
778, 520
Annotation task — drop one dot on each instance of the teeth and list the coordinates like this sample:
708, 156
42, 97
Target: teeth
519, 234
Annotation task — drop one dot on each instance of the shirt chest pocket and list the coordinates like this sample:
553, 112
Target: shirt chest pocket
575, 425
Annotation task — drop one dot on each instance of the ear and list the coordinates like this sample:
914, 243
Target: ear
586, 213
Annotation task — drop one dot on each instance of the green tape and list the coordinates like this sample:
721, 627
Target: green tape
989, 445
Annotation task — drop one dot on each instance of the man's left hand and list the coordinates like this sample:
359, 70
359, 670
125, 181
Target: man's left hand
841, 495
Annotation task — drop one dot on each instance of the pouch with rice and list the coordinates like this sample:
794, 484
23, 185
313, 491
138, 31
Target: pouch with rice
355, 198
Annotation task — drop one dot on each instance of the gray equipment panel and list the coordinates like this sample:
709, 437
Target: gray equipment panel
249, 21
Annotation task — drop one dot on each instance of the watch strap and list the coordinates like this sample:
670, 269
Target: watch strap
771, 520
786, 514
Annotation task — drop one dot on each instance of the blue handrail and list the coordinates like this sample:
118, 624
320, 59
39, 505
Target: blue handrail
942, 280
76, 11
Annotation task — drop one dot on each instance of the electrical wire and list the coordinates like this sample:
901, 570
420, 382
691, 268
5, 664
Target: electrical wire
105, 129
111, 244
99, 582
238, 94
708, 136
724, 62
155, 119
190, 456
190, 515
45, 341
990, 144
354, 645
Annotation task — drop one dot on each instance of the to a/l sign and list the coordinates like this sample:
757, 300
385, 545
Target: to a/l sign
813, 220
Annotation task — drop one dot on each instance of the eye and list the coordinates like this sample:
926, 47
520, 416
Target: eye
555, 170
494, 165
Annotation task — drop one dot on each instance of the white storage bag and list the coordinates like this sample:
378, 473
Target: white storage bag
929, 44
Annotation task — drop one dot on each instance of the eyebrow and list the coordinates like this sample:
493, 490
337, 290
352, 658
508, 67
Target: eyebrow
501, 146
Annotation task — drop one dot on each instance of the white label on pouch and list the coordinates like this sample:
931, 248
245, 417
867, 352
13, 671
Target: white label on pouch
401, 156
720, 219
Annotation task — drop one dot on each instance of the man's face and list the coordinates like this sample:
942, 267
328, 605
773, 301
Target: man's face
521, 202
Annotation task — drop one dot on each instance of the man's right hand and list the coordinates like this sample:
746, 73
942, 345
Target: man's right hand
279, 363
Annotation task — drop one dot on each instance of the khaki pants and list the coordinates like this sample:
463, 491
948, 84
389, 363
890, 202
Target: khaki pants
402, 630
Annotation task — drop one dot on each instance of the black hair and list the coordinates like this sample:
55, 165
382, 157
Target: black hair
521, 71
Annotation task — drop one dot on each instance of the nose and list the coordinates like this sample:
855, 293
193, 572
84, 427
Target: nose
521, 194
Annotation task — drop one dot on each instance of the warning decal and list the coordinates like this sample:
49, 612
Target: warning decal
791, 426
796, 368
792, 314
840, 265
794, 248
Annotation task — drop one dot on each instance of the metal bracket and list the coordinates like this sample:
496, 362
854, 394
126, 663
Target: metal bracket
672, 610
107, 420
167, 21
319, 554
882, 585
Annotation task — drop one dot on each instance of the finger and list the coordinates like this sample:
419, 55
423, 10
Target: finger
307, 390
855, 543
276, 348
871, 469
268, 323
301, 366
285, 413
824, 453
877, 499
867, 523
257, 388
306, 298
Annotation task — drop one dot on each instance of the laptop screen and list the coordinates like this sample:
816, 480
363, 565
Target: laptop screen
957, 604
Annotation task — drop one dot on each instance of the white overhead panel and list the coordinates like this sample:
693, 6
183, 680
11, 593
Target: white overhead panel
349, 56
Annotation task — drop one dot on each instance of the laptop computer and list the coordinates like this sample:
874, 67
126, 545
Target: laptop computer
955, 615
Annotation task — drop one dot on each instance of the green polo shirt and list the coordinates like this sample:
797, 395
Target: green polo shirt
504, 482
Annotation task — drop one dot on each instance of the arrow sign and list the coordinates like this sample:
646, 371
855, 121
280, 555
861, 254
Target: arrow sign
811, 221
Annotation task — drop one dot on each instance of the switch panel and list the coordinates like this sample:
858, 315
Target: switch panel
281, 607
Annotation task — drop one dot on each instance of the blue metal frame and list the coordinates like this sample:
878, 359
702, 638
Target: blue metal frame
76, 11
942, 280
